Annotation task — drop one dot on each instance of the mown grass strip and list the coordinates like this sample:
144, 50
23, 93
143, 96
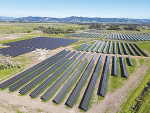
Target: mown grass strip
18, 39
130, 100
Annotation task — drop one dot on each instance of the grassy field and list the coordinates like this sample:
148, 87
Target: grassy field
14, 40
131, 99
145, 47
9, 28
10, 71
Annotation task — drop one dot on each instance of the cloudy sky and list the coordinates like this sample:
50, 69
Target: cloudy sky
137, 9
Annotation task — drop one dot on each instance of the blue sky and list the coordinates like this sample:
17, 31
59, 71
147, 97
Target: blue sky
137, 9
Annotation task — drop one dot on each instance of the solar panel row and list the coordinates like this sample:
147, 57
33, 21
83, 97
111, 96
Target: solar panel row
82, 47
110, 48
141, 50
115, 52
121, 49
129, 37
15, 51
124, 67
90, 88
87, 35
105, 48
105, 77
124, 48
92, 46
99, 50
44, 84
30, 70
130, 61
115, 71
51, 90
37, 72
33, 83
135, 50
70, 82
130, 50
96, 46
72, 98
86, 47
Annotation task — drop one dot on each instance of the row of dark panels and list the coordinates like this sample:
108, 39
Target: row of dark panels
42, 42
128, 37
67, 65
15, 51
113, 47
86, 35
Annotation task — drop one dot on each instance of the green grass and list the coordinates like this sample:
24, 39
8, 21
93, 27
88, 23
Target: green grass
78, 42
8, 28
67, 107
14, 40
144, 46
38, 110
14, 29
107, 109
131, 69
10, 72
144, 105
117, 82
92, 100
77, 99
76, 47
126, 106
141, 61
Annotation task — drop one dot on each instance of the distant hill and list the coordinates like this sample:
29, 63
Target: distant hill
6, 18
77, 19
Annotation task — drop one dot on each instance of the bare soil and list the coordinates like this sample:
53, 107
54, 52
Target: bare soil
10, 36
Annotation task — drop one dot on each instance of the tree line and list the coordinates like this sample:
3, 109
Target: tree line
51, 30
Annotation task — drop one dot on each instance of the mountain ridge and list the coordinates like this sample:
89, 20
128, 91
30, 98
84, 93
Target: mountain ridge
76, 19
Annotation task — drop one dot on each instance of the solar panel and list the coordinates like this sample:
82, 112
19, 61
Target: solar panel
124, 67
130, 61
110, 46
101, 47
104, 50
115, 72
82, 47
105, 77
141, 50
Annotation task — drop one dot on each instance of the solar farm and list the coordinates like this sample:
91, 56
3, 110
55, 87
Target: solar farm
82, 72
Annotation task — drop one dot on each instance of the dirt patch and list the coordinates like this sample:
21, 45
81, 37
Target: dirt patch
10, 36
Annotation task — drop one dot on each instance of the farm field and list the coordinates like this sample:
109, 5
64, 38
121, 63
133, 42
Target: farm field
69, 70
